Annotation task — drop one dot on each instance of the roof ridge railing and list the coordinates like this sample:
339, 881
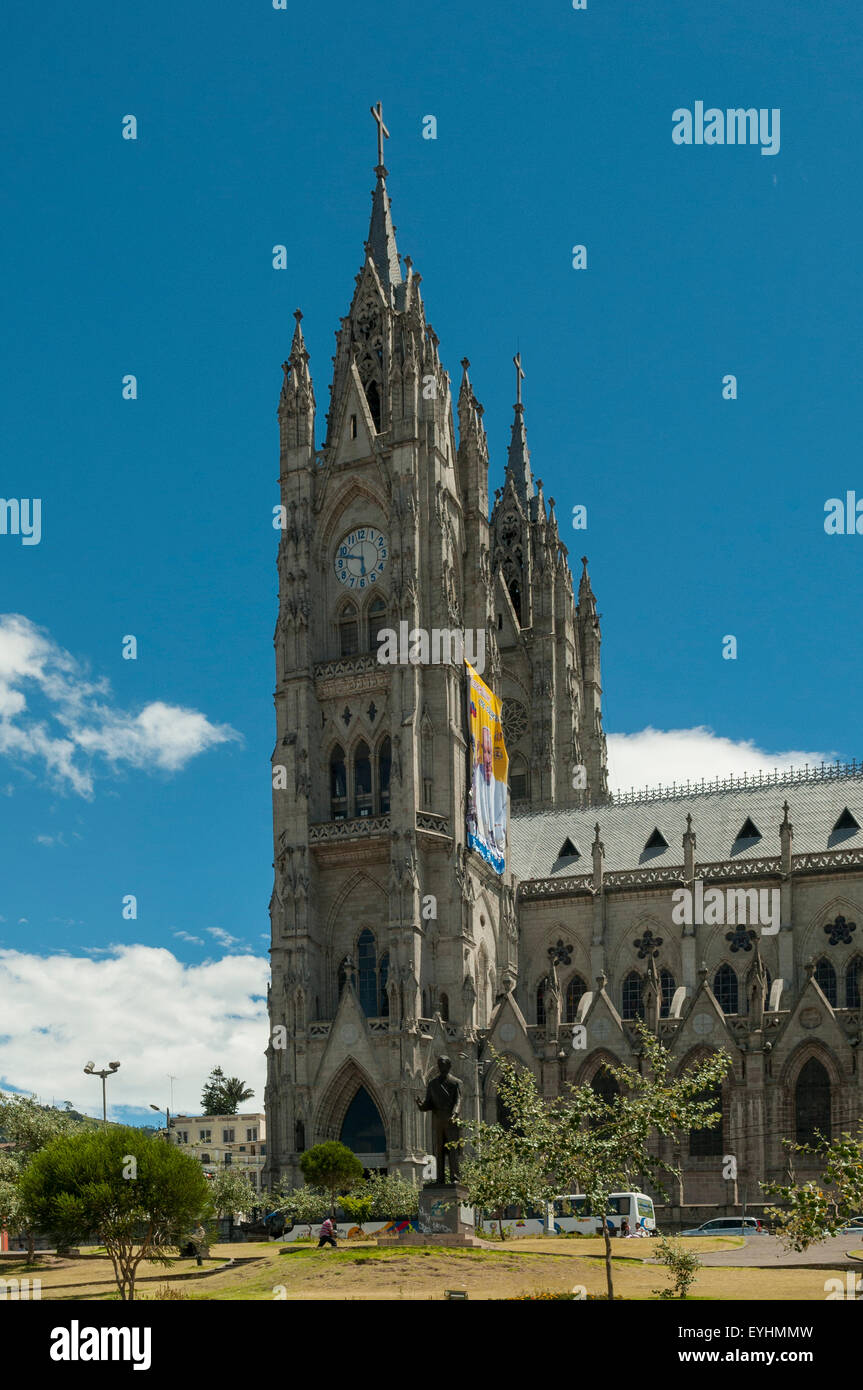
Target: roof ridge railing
748, 781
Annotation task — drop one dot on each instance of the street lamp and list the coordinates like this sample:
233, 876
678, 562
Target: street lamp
158, 1110
90, 1070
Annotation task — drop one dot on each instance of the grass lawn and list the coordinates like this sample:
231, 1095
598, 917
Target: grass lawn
358, 1271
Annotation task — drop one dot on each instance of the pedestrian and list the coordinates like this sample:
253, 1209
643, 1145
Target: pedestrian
328, 1234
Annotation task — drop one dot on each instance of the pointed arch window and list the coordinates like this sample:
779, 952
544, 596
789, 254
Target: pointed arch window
540, 1002
362, 1128
853, 981
367, 974
667, 988
385, 762
383, 977
725, 988
812, 1103
515, 594
362, 780
605, 1086
631, 1001
349, 630
707, 1143
427, 746
373, 396
574, 992
519, 778
825, 976
443, 1007
338, 785
377, 621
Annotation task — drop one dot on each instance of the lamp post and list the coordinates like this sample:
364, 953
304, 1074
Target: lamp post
90, 1070
158, 1110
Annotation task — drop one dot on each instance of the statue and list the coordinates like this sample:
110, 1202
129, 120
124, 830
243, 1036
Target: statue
443, 1099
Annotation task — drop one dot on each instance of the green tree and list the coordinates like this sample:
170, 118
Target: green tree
819, 1209
357, 1205
333, 1167
392, 1196
682, 1266
231, 1193
513, 1165
139, 1196
581, 1142
223, 1095
27, 1127
306, 1206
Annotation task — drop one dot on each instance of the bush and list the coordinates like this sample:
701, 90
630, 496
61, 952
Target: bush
682, 1266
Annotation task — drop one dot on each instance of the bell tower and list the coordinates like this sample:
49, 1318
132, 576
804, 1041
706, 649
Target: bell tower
386, 942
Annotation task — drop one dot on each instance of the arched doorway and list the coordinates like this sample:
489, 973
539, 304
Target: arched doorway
362, 1128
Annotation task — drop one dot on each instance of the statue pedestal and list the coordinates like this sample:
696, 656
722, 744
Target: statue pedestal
443, 1210
444, 1218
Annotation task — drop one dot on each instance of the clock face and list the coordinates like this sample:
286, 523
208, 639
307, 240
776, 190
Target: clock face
361, 557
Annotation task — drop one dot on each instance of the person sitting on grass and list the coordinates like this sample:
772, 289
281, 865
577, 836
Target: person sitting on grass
328, 1234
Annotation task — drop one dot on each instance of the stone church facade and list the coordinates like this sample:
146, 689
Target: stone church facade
392, 943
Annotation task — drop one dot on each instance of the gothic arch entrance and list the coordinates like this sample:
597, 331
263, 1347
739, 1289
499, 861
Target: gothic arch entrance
362, 1128
352, 1112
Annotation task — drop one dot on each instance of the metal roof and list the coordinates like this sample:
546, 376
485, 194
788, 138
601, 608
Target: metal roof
815, 804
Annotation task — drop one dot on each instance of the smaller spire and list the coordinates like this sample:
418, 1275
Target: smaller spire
518, 457
298, 360
586, 596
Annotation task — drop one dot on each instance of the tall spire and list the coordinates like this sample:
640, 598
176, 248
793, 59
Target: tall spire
518, 458
381, 244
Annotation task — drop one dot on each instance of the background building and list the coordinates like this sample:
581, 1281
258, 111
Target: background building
224, 1141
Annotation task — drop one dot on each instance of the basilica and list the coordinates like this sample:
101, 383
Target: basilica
392, 942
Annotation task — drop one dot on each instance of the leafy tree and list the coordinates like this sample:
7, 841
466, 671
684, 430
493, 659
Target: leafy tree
304, 1205
27, 1126
138, 1196
582, 1142
682, 1266
223, 1095
357, 1205
392, 1196
333, 1167
813, 1212
231, 1193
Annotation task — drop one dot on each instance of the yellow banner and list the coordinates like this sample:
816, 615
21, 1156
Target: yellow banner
488, 791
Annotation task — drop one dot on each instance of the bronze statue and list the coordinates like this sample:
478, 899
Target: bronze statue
443, 1099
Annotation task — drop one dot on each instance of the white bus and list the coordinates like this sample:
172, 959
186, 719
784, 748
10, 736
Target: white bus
632, 1210
569, 1214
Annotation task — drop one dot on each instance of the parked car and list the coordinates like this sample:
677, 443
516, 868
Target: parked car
729, 1226
853, 1227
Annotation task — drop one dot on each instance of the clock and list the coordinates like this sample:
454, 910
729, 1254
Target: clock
361, 557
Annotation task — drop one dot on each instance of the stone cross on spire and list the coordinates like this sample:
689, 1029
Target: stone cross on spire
378, 113
519, 377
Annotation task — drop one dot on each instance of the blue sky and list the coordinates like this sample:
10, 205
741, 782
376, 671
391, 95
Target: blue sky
154, 257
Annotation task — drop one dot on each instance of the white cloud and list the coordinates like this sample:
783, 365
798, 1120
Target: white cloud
140, 1005
77, 723
223, 937
656, 756
193, 940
